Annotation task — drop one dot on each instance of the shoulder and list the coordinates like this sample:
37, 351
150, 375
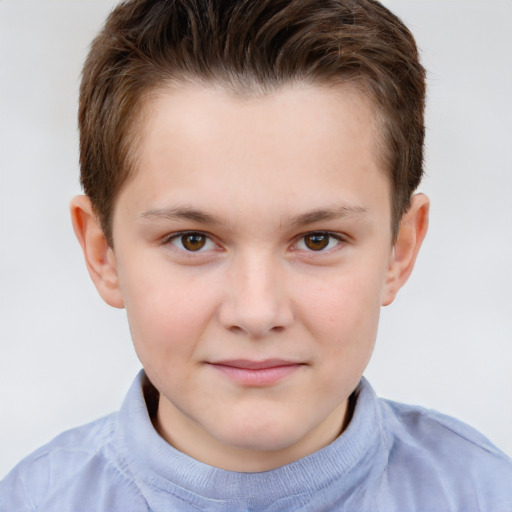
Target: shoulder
439, 432
80, 469
445, 453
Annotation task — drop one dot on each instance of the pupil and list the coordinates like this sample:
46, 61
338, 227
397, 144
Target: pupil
193, 241
317, 241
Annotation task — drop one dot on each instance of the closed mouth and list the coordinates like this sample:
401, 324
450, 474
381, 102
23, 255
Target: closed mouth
250, 373
246, 364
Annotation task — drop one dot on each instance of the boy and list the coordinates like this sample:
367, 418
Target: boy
249, 170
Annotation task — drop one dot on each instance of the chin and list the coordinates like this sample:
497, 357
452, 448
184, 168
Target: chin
261, 436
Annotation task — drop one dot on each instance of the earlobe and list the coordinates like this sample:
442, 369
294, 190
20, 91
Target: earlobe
99, 256
413, 228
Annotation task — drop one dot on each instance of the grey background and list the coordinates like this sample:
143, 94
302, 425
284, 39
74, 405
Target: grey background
66, 357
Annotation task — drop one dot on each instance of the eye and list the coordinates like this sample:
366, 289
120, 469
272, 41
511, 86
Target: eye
318, 241
192, 242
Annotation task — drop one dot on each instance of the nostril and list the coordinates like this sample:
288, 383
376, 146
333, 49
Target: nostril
255, 314
235, 329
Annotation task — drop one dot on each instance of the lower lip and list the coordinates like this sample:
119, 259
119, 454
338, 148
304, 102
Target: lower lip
257, 377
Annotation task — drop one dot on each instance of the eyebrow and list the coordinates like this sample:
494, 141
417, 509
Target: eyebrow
181, 213
328, 214
195, 215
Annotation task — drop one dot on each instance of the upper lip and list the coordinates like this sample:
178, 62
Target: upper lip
248, 364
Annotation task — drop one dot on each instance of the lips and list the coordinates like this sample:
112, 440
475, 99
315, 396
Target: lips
254, 365
256, 373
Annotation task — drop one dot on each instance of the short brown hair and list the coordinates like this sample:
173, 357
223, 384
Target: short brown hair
248, 46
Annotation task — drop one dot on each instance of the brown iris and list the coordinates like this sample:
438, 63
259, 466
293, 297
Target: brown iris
193, 241
317, 241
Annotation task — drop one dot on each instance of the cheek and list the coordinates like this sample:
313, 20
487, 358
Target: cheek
167, 313
344, 311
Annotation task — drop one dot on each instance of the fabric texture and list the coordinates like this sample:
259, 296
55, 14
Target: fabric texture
392, 457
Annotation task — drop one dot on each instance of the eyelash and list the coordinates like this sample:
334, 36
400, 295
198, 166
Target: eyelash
179, 236
331, 236
298, 240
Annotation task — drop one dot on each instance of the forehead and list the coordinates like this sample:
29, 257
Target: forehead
194, 99
295, 139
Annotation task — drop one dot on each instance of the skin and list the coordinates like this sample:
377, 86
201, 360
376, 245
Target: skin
254, 178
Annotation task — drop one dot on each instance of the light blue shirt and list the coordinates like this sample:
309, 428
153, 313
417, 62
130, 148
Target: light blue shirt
392, 457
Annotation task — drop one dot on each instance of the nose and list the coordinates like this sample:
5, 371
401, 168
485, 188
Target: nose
256, 301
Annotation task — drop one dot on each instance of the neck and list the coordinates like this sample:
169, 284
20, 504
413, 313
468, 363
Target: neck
190, 438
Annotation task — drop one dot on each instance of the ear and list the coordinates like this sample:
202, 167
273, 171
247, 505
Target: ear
413, 228
99, 256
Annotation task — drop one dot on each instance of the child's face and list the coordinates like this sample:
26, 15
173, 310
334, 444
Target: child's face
253, 252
